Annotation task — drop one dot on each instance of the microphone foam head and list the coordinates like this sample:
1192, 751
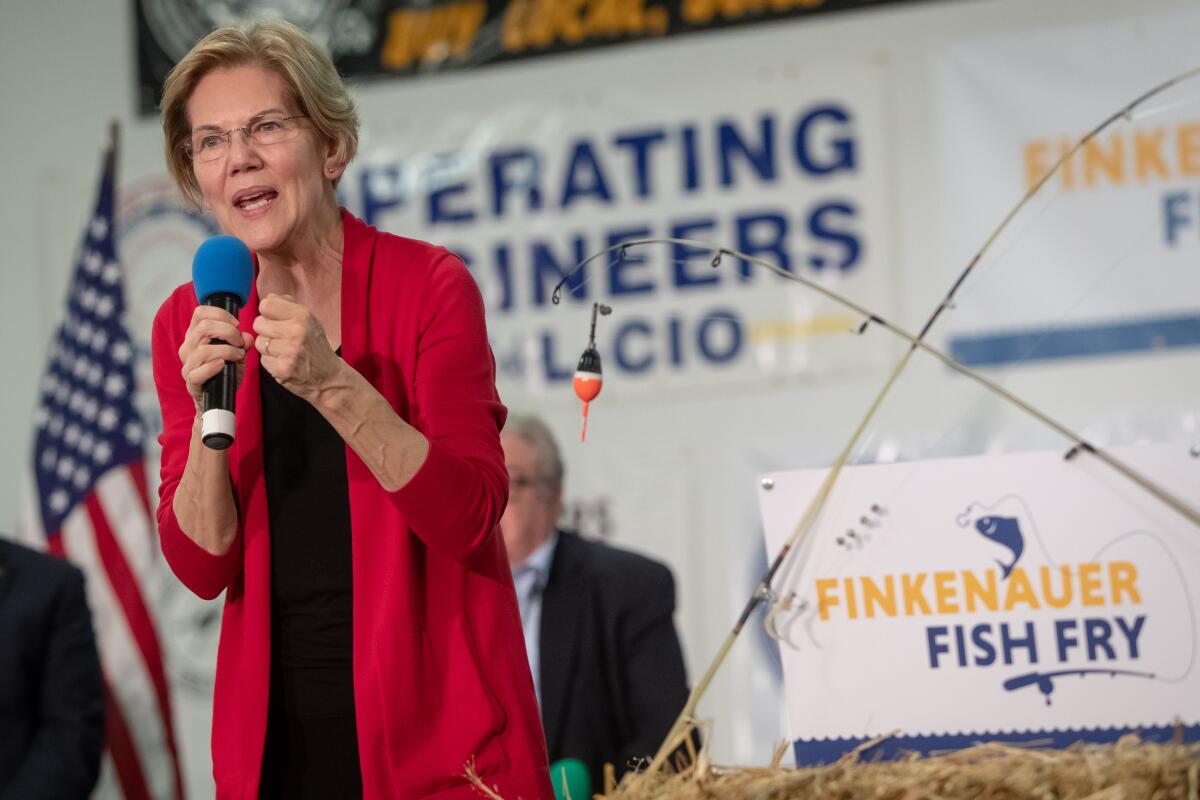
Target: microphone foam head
222, 265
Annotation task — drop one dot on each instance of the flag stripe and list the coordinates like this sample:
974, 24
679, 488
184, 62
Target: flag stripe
118, 497
109, 782
132, 549
123, 665
127, 592
120, 747
137, 473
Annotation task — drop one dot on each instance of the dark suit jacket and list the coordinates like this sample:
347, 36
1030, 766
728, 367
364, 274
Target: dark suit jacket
612, 675
51, 688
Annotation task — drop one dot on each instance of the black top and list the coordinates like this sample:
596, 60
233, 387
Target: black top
308, 501
312, 745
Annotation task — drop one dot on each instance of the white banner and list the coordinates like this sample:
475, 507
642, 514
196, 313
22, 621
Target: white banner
1011, 597
1103, 261
526, 190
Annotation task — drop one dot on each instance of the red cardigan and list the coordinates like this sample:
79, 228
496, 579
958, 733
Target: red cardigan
440, 672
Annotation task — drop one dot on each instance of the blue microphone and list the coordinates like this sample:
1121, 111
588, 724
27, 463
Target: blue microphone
222, 273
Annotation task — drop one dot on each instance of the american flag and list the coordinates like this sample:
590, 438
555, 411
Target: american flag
89, 504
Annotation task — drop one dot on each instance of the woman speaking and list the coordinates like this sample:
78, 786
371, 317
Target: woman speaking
370, 644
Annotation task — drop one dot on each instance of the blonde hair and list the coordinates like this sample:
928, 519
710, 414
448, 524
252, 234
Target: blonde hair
314, 84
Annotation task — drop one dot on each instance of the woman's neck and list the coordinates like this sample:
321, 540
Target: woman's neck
309, 268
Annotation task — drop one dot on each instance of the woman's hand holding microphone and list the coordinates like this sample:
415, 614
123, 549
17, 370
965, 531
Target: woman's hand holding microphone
212, 338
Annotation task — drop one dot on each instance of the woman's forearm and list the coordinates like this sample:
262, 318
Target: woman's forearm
391, 448
203, 502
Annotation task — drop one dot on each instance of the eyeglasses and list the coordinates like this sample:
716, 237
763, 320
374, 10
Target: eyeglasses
209, 146
520, 483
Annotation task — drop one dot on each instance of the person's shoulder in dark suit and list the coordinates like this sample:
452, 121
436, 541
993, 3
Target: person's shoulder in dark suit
51, 686
626, 577
617, 562
628, 683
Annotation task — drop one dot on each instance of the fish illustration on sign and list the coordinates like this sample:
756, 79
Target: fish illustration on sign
1006, 532
1006, 523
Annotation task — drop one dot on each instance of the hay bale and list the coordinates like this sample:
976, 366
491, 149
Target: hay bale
1127, 770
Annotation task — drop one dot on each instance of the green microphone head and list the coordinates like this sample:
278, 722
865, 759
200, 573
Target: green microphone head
570, 780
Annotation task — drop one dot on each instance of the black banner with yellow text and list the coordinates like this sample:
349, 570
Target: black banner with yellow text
378, 38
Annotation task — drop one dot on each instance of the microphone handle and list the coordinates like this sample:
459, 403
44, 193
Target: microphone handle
220, 391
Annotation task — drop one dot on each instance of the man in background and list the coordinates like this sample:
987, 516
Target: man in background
602, 645
51, 687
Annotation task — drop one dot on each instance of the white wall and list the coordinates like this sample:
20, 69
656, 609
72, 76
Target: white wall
66, 69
